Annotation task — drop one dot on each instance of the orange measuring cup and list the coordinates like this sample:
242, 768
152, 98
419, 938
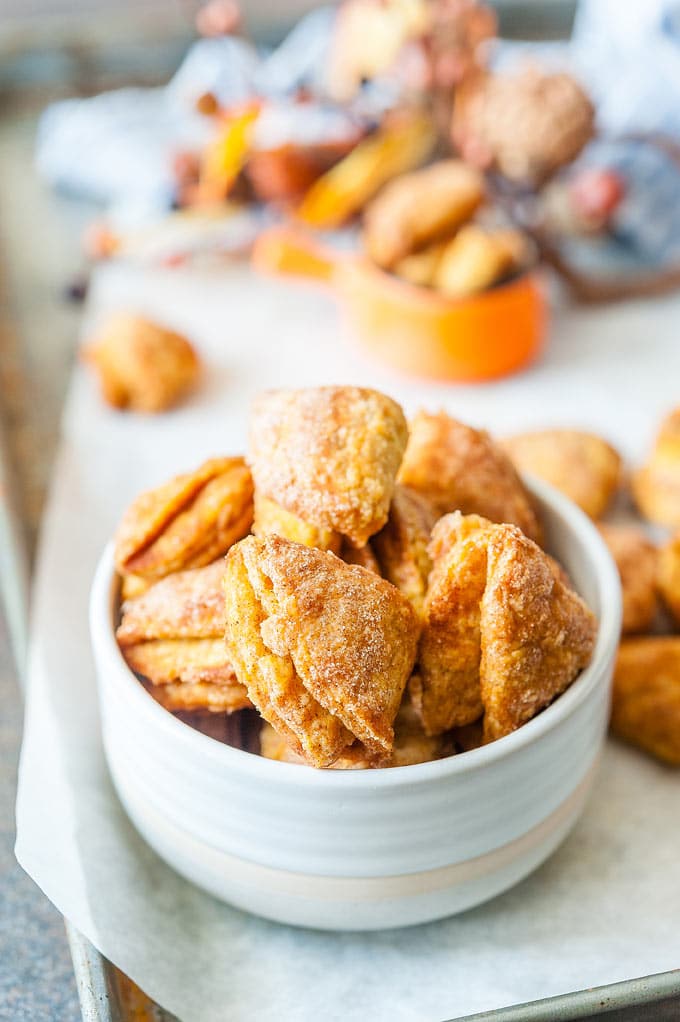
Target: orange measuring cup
415, 329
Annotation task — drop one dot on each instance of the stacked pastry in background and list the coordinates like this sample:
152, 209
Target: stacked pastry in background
646, 696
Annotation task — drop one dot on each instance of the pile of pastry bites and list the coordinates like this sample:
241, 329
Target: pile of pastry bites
431, 227
646, 694
384, 599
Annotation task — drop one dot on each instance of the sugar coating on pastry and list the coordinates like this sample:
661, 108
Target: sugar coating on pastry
668, 575
164, 661
656, 486
446, 690
186, 523
401, 545
503, 635
202, 695
329, 455
270, 517
537, 635
187, 604
172, 635
646, 696
459, 468
141, 365
638, 564
324, 648
420, 208
583, 466
411, 745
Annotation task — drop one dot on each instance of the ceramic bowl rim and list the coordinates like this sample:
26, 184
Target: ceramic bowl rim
108, 657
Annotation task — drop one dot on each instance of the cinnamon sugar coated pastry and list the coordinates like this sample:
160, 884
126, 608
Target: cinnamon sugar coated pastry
411, 745
142, 366
186, 523
502, 633
668, 579
324, 648
459, 468
646, 696
656, 487
582, 465
173, 636
401, 545
270, 517
328, 455
420, 208
636, 558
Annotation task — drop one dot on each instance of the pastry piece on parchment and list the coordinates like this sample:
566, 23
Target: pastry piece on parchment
185, 523
459, 468
142, 366
411, 745
172, 635
656, 486
583, 466
401, 545
328, 455
646, 696
638, 563
503, 634
324, 648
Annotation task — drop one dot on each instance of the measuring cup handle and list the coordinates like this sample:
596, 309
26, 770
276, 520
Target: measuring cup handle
287, 251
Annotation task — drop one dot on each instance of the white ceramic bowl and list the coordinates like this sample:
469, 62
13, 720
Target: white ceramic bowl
363, 850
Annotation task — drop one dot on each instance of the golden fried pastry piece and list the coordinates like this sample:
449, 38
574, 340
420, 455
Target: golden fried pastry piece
477, 258
668, 575
646, 696
401, 545
420, 208
446, 690
502, 633
582, 465
460, 468
656, 486
173, 636
185, 605
186, 523
201, 695
362, 556
142, 366
270, 518
329, 455
164, 661
636, 558
324, 648
411, 745
537, 635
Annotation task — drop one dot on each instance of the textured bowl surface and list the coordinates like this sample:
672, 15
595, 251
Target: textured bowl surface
363, 849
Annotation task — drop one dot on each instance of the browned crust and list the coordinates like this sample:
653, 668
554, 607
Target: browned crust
459, 468
646, 696
329, 455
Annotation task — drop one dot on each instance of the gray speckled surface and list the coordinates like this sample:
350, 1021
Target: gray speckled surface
36, 977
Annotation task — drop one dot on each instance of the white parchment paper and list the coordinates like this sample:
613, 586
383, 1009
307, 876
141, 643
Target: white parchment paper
604, 908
